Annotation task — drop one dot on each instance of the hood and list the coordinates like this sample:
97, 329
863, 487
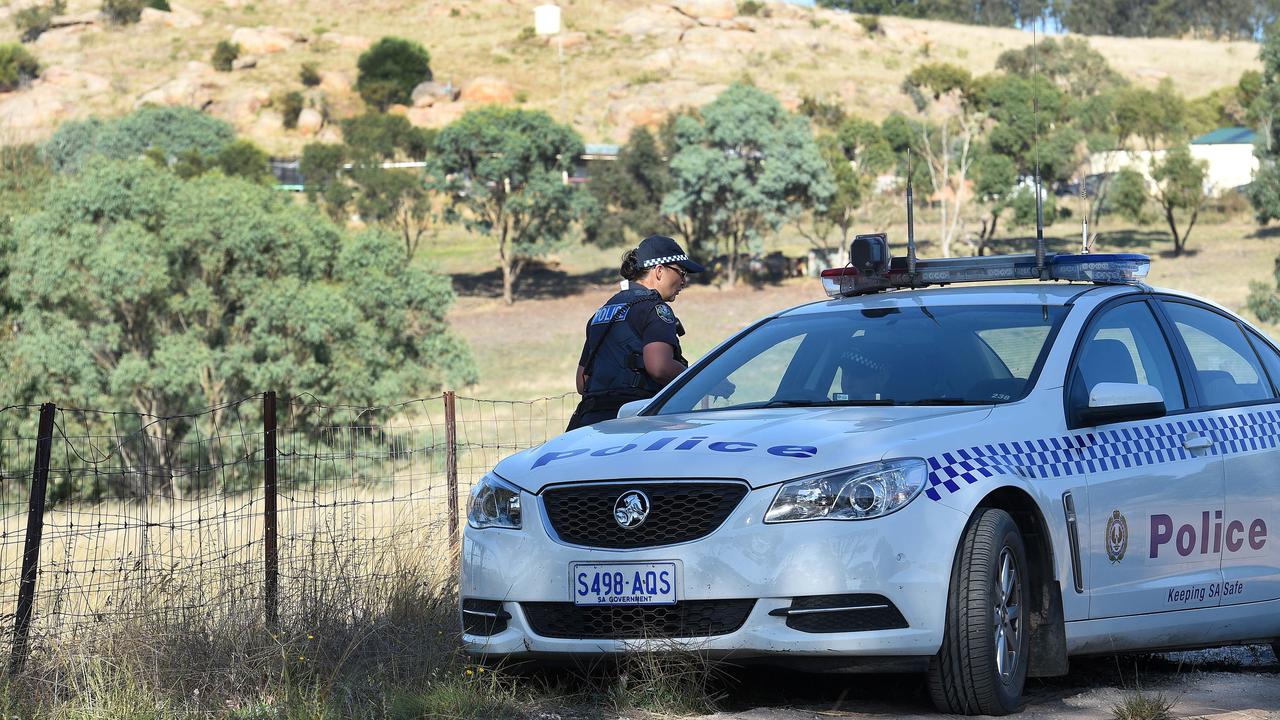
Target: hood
761, 447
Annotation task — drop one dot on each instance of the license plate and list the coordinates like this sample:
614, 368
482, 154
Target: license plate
623, 583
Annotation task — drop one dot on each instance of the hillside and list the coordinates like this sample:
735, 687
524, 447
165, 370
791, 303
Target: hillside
626, 62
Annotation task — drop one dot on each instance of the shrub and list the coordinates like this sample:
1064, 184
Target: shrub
871, 23
161, 5
17, 67
752, 8
291, 107
309, 75
170, 131
527, 33
123, 12
244, 159
390, 70
224, 55
33, 20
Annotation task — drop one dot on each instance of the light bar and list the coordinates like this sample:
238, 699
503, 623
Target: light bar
1098, 268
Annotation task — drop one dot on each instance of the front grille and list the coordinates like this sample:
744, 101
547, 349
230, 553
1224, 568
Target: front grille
678, 512
871, 617
690, 618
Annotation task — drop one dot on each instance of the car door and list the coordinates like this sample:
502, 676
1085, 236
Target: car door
1149, 481
1238, 396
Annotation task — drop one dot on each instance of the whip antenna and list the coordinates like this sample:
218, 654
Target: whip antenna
911, 223
1035, 122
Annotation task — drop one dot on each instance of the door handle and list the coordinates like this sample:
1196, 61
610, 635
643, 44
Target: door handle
1196, 441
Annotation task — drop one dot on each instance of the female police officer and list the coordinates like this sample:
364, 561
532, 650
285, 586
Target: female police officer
633, 347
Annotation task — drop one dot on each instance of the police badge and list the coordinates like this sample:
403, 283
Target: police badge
1117, 536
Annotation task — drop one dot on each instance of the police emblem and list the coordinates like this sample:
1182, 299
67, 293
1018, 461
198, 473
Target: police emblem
664, 311
1117, 536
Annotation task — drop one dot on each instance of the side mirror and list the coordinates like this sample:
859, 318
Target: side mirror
633, 408
1119, 402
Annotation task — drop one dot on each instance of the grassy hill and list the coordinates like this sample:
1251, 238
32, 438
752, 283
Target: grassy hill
625, 62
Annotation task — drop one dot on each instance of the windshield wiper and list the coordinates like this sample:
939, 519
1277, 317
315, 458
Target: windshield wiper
825, 403
942, 401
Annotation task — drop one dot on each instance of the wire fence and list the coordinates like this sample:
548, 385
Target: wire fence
265, 503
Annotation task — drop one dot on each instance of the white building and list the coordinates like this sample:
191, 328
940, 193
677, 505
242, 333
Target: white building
1229, 155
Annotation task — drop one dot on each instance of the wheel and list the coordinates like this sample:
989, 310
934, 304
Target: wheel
982, 664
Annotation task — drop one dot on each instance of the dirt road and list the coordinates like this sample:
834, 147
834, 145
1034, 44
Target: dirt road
1226, 684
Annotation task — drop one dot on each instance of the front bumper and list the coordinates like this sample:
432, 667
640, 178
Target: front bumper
905, 557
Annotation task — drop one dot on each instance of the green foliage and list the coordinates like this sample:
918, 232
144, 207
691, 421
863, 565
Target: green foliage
871, 23
1264, 301
1004, 13
935, 80
321, 166
1015, 133
291, 106
745, 169
390, 70
824, 113
1180, 189
388, 137
17, 67
123, 12
161, 5
752, 8
33, 20
1070, 63
245, 160
628, 193
169, 131
1264, 191
1023, 202
309, 76
502, 170
143, 290
224, 55
1129, 194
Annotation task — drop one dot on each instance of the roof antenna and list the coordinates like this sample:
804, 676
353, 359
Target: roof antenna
1035, 119
1084, 230
911, 225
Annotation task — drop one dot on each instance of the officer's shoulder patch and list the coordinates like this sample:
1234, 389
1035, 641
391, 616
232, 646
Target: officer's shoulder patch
664, 311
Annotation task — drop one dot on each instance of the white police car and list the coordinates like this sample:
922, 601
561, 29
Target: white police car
976, 483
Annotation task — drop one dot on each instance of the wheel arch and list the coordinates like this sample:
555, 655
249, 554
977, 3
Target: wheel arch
1048, 646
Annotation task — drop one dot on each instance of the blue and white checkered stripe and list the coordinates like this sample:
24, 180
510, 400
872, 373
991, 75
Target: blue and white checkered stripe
1153, 444
663, 260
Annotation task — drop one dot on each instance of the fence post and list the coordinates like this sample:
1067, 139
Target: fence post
35, 530
451, 467
270, 550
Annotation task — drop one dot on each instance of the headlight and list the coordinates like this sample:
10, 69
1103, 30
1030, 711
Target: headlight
857, 493
494, 503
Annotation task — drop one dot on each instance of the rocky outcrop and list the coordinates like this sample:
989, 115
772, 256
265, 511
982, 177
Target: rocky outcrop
55, 96
350, 42
707, 9
310, 121
437, 115
661, 24
429, 93
177, 17
649, 105
263, 40
488, 89
196, 86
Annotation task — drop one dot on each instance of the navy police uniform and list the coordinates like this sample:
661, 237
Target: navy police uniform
613, 355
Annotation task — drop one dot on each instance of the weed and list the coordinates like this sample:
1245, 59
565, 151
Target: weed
669, 679
309, 75
871, 23
527, 33
753, 8
647, 77
224, 55
522, 96
1138, 705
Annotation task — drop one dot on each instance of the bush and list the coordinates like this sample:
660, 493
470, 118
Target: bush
33, 20
390, 70
169, 131
17, 67
161, 5
123, 12
224, 55
1129, 194
244, 159
527, 33
309, 76
752, 8
871, 23
291, 107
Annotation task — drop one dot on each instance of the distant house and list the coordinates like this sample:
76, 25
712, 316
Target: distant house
1229, 155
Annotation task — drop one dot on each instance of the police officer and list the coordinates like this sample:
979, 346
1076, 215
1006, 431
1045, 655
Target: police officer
633, 342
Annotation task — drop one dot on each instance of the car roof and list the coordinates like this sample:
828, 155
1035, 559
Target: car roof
1019, 293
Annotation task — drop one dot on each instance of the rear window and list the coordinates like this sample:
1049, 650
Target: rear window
952, 355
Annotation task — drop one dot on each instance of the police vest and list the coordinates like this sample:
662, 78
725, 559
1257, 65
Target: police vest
617, 366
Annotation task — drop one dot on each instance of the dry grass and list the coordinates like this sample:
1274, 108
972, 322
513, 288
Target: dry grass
814, 52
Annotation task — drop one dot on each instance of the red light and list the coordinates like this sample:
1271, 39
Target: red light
840, 272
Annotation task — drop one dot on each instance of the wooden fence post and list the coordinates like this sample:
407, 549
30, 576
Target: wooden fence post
451, 468
35, 531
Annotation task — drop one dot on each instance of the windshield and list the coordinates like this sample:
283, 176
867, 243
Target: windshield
951, 355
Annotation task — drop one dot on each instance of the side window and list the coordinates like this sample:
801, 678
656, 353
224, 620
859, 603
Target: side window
1270, 361
1125, 345
1226, 367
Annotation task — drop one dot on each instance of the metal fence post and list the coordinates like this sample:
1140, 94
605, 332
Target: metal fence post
451, 467
270, 549
35, 530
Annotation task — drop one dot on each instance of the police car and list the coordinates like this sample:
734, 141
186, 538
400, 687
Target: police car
976, 483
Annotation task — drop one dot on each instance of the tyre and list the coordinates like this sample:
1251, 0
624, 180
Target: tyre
982, 664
